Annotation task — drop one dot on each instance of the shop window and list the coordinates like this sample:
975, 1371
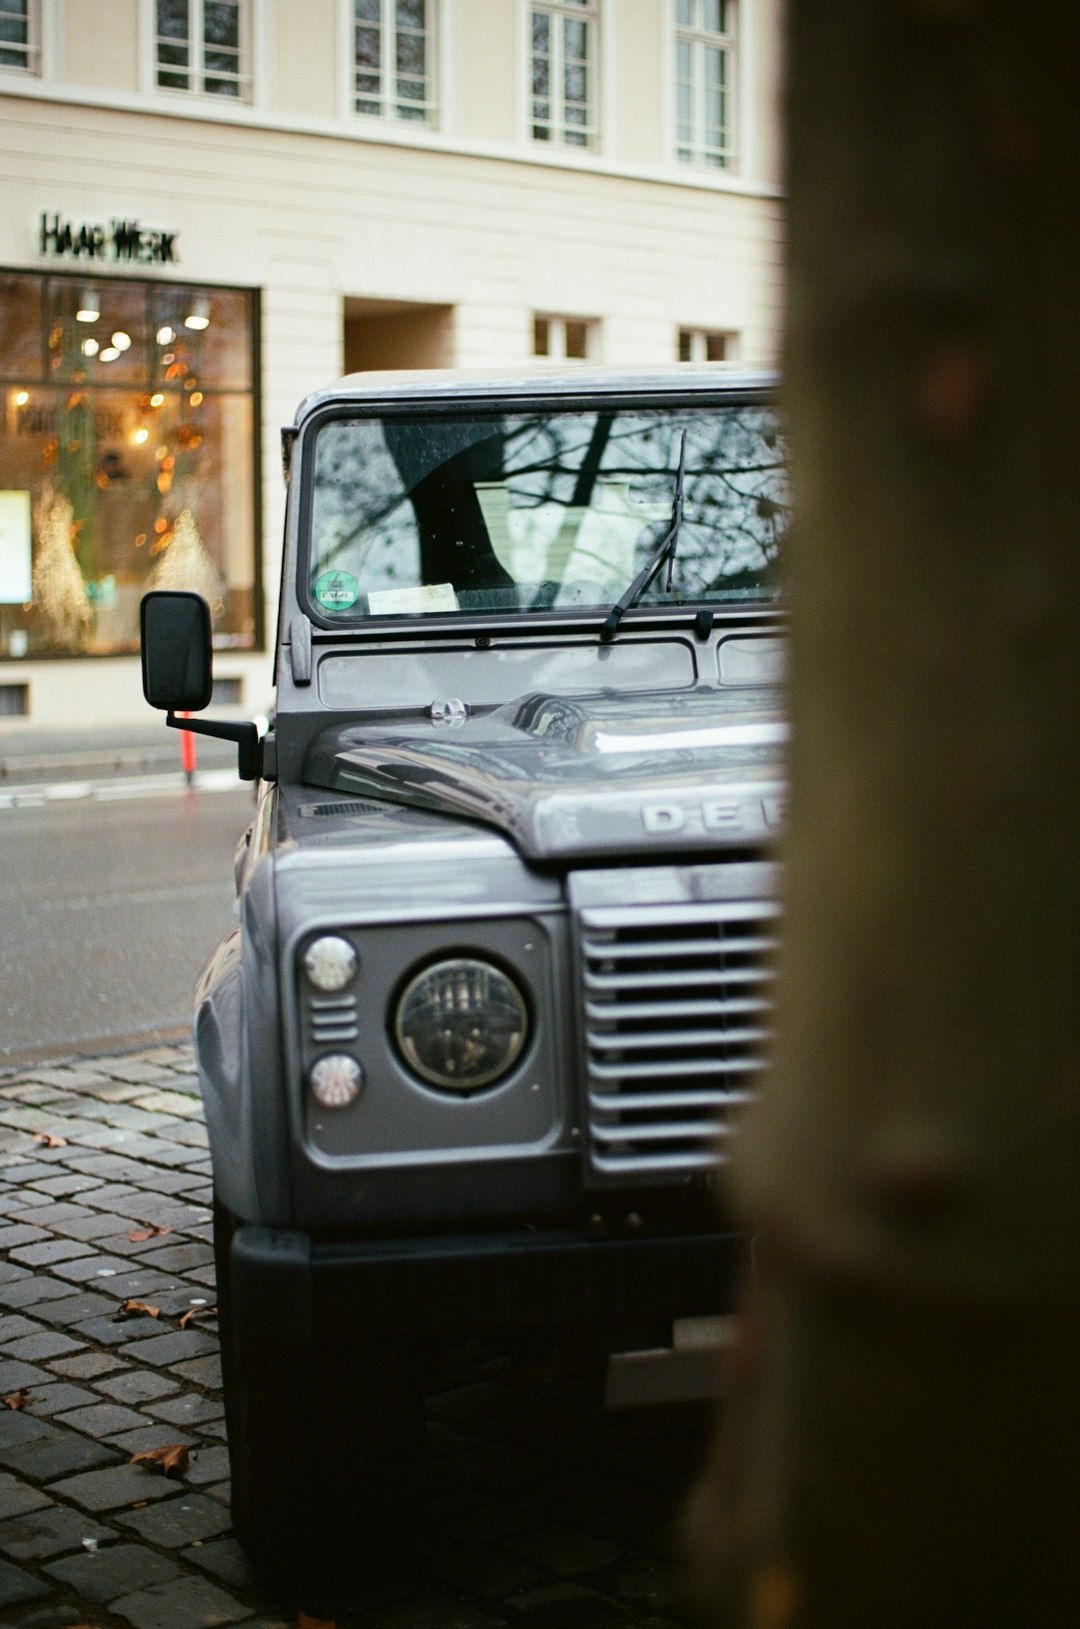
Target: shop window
201, 46
563, 58
707, 345
564, 339
705, 82
127, 459
20, 35
14, 700
393, 68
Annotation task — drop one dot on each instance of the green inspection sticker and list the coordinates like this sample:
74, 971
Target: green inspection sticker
337, 590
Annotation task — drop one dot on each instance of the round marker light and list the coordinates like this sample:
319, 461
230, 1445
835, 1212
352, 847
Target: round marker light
330, 962
461, 1024
336, 1080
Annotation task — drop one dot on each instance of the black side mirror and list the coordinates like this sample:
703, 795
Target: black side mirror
176, 650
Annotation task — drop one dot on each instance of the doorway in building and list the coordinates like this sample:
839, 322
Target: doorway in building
397, 334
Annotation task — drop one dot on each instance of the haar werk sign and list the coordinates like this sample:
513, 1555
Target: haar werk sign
119, 240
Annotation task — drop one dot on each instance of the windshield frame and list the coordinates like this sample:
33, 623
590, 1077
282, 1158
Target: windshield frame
478, 399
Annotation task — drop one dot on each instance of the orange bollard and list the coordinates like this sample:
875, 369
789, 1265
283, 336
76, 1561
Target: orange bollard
187, 753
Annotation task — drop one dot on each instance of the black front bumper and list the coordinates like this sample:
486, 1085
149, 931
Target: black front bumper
287, 1286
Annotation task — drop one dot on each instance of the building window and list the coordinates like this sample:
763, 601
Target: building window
705, 82
564, 72
201, 46
707, 345
393, 46
20, 35
564, 339
127, 459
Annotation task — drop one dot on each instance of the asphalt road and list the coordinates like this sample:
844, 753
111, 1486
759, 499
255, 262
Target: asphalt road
111, 899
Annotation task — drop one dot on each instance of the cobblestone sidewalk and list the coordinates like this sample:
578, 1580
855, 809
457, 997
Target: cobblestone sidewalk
545, 1511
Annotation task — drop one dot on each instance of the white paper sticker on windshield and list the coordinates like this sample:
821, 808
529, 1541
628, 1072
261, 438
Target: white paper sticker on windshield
388, 602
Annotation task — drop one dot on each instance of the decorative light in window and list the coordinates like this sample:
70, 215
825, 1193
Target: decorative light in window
121, 340
157, 399
165, 335
199, 315
89, 347
89, 309
109, 354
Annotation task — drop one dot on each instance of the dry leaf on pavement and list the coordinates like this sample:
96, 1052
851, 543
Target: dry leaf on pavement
135, 1309
141, 1234
305, 1621
170, 1461
197, 1312
50, 1139
17, 1399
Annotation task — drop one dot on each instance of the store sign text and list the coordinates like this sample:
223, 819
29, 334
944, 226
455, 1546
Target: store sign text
119, 240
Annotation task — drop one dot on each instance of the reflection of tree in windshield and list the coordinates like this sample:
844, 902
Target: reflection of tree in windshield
523, 510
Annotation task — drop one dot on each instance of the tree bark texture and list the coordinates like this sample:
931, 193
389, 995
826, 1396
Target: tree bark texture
904, 1443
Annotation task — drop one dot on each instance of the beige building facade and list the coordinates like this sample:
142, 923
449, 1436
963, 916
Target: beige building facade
213, 207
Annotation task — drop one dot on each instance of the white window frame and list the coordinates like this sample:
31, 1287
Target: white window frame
562, 135
196, 69
558, 324
387, 98
694, 42
32, 66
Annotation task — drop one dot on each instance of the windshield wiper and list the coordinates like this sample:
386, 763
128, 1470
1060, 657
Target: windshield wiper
665, 550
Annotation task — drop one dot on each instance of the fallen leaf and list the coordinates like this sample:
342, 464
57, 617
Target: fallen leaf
170, 1461
143, 1233
305, 1621
17, 1399
50, 1139
135, 1309
197, 1312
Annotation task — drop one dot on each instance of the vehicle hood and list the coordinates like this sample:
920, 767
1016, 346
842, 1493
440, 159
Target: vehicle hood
569, 777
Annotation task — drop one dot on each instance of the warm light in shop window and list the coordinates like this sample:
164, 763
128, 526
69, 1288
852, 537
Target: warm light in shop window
89, 306
140, 435
165, 335
89, 347
21, 398
196, 398
157, 399
109, 354
121, 340
199, 315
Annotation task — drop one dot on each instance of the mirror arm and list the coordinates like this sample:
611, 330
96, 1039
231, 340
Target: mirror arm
246, 736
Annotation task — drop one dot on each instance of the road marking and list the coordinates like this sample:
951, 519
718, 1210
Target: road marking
110, 791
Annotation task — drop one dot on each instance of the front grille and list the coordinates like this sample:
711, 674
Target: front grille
677, 1002
332, 1019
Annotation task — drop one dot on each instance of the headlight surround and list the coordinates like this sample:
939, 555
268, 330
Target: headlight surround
461, 1024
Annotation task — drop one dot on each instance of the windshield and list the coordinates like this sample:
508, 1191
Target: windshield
549, 509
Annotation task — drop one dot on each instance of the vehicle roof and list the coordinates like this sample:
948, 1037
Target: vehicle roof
441, 384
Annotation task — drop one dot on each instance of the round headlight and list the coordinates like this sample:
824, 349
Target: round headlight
461, 1024
330, 962
336, 1080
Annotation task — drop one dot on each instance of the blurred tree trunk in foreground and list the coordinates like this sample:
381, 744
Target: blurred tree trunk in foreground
904, 1442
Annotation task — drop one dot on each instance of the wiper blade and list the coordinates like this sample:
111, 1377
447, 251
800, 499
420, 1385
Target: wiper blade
665, 550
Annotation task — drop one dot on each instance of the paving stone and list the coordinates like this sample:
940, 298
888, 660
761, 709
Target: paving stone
150, 1436
16, 1496
178, 1521
163, 1606
70, 1311
90, 1266
56, 1214
9, 1272
137, 1385
51, 1252
17, 1234
14, 1375
86, 1365
204, 1371
48, 1344
58, 1397
55, 1454
50, 1531
101, 1419
114, 1571
179, 1258
31, 1291
565, 1550
17, 1426
190, 1410
567, 1606
13, 1326
98, 1226
208, 1465
68, 1183
224, 1558
113, 1488
17, 1586
180, 1345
